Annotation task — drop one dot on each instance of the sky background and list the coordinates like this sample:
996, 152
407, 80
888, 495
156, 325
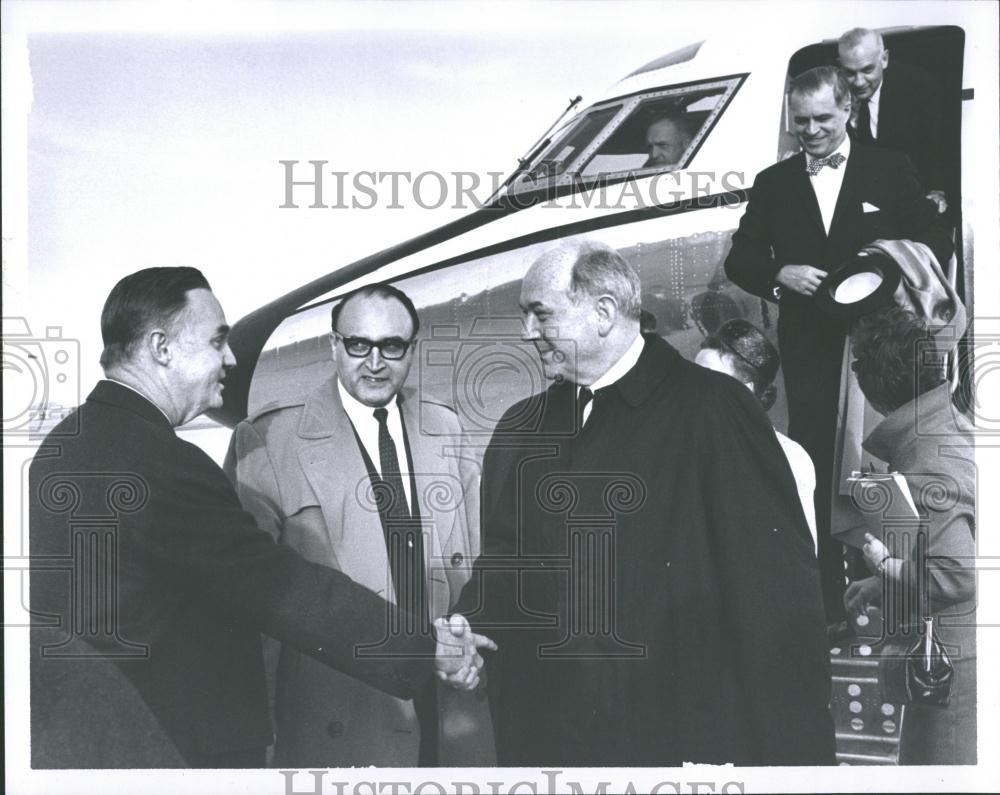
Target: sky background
142, 134
154, 132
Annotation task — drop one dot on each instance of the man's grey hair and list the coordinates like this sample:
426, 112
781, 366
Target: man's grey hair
600, 270
815, 79
856, 36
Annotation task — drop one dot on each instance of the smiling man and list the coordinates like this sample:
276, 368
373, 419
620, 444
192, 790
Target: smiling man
150, 585
896, 106
362, 476
645, 557
806, 216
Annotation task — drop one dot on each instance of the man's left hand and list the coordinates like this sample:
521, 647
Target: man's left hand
938, 197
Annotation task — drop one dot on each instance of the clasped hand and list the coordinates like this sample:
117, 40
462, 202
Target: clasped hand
458, 661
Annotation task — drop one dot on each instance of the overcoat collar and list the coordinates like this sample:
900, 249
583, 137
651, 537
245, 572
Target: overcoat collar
323, 414
112, 394
657, 362
931, 413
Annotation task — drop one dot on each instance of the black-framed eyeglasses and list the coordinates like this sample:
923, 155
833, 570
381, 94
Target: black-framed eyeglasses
360, 347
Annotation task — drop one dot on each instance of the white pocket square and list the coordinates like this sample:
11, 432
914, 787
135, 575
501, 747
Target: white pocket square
869, 208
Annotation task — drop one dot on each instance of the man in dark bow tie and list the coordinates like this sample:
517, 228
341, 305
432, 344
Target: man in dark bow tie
806, 215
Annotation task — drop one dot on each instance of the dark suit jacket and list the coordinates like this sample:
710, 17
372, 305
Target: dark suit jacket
909, 121
669, 535
163, 571
782, 225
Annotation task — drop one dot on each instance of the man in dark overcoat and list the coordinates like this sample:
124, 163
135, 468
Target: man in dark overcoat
646, 560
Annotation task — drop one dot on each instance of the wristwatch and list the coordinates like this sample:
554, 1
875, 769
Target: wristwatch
880, 568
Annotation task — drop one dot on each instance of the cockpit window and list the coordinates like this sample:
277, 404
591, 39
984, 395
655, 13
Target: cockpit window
569, 142
653, 131
661, 132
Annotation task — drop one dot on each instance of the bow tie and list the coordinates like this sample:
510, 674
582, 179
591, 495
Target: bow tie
833, 161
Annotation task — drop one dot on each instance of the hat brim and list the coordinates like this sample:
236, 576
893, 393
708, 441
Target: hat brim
862, 285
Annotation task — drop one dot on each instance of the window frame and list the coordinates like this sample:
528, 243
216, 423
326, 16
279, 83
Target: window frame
573, 176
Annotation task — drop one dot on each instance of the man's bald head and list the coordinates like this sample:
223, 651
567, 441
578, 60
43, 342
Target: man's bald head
863, 58
860, 37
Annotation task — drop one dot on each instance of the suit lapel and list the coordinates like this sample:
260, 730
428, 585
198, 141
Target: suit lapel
429, 471
848, 200
336, 472
886, 105
802, 192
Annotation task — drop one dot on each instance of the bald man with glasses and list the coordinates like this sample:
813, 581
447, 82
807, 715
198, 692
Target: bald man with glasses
363, 476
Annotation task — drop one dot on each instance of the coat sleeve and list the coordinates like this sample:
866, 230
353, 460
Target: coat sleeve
251, 471
927, 150
918, 218
750, 262
947, 500
768, 570
489, 598
199, 531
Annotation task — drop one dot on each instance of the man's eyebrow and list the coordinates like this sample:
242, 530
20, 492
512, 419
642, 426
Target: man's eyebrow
223, 330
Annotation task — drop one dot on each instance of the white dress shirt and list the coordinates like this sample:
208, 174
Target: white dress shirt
615, 372
362, 417
827, 181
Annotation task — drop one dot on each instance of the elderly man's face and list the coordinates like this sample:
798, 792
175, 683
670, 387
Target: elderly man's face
199, 355
562, 330
666, 143
373, 379
820, 123
862, 66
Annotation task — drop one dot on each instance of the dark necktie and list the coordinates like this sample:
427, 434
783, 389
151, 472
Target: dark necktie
389, 464
864, 124
405, 549
582, 401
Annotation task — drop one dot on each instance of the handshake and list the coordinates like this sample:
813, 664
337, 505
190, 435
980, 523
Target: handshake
457, 660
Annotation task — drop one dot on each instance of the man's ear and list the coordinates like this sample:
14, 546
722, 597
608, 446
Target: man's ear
607, 314
158, 346
885, 58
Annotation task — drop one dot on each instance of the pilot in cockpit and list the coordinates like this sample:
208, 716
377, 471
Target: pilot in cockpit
666, 139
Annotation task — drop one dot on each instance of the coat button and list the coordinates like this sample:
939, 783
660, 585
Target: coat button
335, 728
456, 559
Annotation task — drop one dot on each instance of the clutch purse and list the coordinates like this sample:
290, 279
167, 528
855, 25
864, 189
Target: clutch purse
921, 674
